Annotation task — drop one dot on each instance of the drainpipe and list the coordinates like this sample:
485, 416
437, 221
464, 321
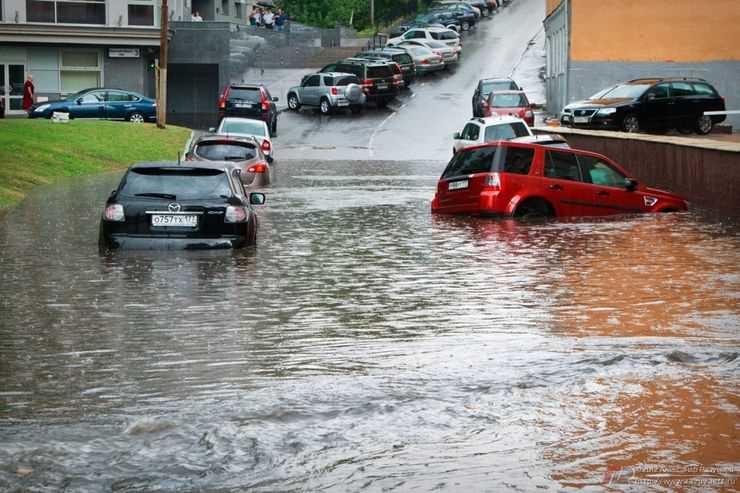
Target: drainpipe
567, 53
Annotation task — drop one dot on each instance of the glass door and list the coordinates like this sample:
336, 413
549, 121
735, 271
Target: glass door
15, 76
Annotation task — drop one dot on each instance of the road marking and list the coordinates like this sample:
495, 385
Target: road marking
375, 132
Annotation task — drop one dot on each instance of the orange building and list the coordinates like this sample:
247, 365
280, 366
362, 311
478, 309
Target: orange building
594, 44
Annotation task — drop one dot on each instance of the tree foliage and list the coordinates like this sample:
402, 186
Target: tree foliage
330, 13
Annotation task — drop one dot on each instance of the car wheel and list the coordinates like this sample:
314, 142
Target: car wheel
136, 117
324, 106
704, 125
356, 109
465, 26
533, 208
685, 130
631, 124
293, 103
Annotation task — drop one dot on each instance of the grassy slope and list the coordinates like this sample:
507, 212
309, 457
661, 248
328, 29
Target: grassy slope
34, 152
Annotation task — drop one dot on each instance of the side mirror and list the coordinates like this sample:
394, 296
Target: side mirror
275, 99
269, 159
256, 198
650, 96
456, 136
79, 101
630, 184
212, 129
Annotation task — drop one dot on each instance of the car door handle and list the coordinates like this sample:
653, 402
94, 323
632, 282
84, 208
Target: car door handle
602, 193
555, 187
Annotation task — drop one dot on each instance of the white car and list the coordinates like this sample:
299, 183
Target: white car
449, 54
481, 130
441, 34
246, 127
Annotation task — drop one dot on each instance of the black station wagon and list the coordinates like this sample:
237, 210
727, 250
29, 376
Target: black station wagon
171, 206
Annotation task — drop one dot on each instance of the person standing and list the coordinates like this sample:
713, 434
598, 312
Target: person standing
196, 17
29, 93
268, 19
253, 16
280, 18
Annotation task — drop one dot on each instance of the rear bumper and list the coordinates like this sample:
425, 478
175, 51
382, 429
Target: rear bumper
140, 242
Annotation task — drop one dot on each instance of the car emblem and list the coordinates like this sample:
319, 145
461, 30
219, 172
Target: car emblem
174, 207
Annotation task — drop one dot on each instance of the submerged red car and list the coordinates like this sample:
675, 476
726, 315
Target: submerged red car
513, 103
505, 178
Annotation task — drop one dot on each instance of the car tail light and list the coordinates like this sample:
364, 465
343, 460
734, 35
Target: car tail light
493, 182
257, 168
425, 61
266, 146
264, 102
114, 212
223, 98
236, 214
334, 91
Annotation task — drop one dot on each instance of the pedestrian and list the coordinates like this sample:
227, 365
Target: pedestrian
280, 19
29, 93
196, 17
253, 16
258, 17
268, 19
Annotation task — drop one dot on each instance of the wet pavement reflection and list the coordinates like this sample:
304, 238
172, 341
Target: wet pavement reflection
364, 345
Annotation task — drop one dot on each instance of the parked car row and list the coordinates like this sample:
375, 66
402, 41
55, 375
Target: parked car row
653, 104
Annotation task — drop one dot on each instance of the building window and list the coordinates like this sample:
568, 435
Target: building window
238, 10
140, 15
79, 70
66, 11
224, 7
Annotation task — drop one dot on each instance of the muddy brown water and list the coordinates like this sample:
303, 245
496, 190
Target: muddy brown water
365, 345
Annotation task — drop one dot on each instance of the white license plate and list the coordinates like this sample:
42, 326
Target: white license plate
566, 118
174, 220
382, 86
457, 185
342, 102
580, 119
243, 105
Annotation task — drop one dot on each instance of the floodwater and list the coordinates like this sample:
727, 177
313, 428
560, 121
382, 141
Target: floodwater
365, 345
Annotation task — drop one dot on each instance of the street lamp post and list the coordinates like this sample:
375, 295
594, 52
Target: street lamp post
162, 69
372, 13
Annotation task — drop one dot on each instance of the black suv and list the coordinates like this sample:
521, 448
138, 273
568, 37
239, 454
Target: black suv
180, 206
378, 77
249, 101
654, 104
401, 57
486, 86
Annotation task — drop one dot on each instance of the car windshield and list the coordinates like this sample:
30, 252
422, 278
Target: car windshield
630, 91
509, 101
219, 151
448, 35
346, 80
506, 131
244, 126
435, 44
599, 94
489, 160
76, 95
251, 95
502, 85
176, 183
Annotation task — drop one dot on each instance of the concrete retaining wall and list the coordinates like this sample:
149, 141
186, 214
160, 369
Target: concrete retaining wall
705, 172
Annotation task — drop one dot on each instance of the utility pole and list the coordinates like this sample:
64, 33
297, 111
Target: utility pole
162, 69
372, 13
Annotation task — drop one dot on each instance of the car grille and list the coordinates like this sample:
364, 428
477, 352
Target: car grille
583, 112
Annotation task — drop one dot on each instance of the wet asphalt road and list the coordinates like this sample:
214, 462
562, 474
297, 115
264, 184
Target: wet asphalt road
365, 345
420, 124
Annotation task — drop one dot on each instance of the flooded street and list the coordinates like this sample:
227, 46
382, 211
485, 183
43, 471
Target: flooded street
367, 346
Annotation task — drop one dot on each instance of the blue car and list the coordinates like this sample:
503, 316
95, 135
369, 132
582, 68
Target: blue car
110, 104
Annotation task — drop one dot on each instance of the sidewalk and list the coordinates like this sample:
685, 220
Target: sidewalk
277, 81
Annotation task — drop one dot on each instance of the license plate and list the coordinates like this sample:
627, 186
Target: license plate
342, 102
243, 105
457, 185
174, 220
580, 119
382, 86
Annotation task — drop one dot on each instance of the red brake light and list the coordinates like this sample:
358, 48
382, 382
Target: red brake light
425, 61
257, 168
367, 83
264, 101
266, 146
493, 182
223, 98
334, 91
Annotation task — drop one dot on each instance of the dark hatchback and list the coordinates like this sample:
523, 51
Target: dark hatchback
111, 104
379, 80
401, 57
486, 86
655, 104
249, 101
169, 206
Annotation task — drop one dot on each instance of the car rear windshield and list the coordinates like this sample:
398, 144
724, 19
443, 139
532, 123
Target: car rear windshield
506, 131
444, 35
249, 94
630, 91
402, 58
219, 151
242, 126
379, 71
504, 85
346, 80
500, 159
509, 101
178, 183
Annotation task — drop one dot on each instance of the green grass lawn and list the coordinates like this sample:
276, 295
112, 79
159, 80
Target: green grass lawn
35, 152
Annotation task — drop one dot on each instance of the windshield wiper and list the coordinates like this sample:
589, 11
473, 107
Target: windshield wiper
170, 196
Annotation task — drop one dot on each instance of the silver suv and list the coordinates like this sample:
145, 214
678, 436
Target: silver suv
328, 92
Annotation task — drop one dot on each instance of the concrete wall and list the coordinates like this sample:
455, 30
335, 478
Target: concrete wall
130, 74
193, 91
586, 78
705, 172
